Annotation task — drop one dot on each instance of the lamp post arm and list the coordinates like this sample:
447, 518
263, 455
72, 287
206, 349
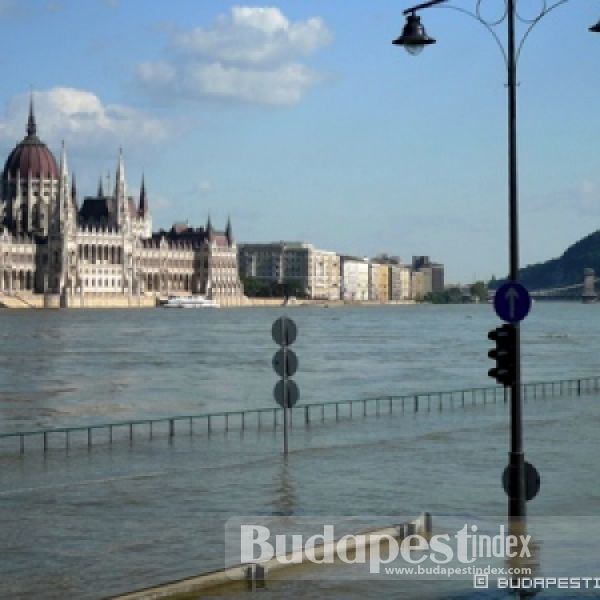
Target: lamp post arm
414, 9
534, 22
487, 25
474, 15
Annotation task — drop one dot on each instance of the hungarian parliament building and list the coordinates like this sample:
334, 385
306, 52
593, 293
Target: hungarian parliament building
58, 252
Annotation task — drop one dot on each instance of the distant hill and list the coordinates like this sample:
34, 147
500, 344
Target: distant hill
563, 271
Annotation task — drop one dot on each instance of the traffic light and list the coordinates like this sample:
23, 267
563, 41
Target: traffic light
504, 354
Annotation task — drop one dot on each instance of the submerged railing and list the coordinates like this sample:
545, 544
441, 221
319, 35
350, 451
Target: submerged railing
269, 418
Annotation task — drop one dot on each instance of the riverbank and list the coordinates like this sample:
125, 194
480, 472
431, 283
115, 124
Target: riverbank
28, 300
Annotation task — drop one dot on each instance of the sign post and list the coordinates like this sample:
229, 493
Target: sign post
512, 303
285, 364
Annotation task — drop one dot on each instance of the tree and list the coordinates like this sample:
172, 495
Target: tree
480, 290
256, 288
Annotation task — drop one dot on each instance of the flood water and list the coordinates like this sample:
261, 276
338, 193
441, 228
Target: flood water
89, 524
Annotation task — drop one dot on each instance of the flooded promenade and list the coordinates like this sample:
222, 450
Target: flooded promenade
88, 524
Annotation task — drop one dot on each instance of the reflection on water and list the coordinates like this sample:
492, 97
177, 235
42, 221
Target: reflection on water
284, 490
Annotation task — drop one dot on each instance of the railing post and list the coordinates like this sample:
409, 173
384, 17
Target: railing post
390, 405
22, 444
208, 424
377, 407
364, 407
351, 407
89, 437
323, 413
274, 418
463, 398
579, 387
307, 414
67, 441
110, 434
416, 403
243, 420
45, 441
226, 421
337, 411
191, 425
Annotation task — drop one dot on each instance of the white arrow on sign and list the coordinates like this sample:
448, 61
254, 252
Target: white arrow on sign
512, 296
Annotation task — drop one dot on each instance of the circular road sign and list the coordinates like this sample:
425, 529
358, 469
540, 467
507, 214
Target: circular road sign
284, 331
285, 362
512, 302
293, 393
532, 481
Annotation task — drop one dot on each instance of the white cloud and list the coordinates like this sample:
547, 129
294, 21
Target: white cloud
251, 55
254, 36
282, 85
82, 120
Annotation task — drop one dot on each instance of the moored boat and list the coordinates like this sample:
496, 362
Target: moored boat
190, 302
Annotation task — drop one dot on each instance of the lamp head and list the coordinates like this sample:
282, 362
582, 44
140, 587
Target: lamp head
414, 37
595, 28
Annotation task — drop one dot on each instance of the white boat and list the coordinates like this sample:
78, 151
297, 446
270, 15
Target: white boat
190, 302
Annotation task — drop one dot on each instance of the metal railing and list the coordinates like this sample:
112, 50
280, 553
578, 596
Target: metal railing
269, 418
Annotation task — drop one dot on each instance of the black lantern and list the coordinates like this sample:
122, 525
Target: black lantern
414, 37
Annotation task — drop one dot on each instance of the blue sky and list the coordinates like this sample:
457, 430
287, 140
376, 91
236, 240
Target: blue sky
302, 121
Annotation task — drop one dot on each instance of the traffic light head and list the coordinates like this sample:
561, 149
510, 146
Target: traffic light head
504, 354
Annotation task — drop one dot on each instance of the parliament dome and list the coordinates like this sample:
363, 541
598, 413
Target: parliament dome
31, 155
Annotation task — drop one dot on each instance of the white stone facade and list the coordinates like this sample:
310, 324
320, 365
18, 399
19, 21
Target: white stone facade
50, 246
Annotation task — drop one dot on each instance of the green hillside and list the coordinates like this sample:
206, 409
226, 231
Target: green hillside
565, 270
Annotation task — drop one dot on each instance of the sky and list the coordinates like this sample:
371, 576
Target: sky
301, 121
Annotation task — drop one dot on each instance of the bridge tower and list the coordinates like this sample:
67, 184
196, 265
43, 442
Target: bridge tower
589, 288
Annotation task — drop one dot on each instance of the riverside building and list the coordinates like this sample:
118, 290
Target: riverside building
432, 274
355, 279
54, 253
316, 271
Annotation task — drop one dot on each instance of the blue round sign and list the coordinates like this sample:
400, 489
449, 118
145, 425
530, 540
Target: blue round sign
512, 302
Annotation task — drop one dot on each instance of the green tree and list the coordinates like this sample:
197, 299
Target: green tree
480, 290
256, 288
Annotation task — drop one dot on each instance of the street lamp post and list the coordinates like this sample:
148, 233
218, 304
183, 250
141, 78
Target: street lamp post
414, 38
